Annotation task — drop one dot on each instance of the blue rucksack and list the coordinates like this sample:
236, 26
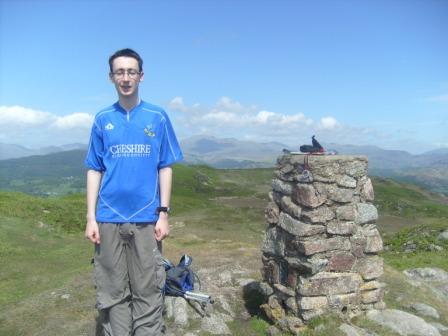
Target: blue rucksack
180, 278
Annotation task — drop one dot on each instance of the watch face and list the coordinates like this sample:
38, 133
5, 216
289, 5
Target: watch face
163, 209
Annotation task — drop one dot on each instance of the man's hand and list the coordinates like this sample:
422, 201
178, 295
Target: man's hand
92, 231
162, 228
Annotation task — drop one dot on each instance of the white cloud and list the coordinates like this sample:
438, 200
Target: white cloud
229, 118
75, 120
263, 116
11, 115
221, 117
328, 123
177, 103
34, 128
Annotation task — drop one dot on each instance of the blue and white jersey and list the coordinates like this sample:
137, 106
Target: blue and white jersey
129, 148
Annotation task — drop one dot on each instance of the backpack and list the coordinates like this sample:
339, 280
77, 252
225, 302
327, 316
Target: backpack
180, 278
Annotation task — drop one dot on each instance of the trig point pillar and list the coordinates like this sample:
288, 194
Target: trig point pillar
320, 251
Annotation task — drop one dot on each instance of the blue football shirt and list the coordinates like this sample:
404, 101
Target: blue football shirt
129, 148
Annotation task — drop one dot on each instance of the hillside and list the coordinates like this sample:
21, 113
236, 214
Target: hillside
217, 218
34, 174
12, 151
51, 174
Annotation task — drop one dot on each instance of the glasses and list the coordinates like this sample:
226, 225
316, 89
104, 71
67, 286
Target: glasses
132, 73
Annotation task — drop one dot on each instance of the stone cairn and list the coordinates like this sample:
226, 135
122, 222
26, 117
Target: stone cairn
320, 251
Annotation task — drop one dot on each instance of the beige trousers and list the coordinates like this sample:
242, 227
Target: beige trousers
129, 278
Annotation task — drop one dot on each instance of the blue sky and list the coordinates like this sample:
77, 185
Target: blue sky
351, 72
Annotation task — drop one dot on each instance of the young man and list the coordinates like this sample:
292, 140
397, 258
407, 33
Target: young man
131, 150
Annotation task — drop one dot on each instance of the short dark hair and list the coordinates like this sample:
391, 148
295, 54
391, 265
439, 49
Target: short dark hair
126, 53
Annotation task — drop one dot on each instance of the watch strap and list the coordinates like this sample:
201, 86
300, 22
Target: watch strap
163, 209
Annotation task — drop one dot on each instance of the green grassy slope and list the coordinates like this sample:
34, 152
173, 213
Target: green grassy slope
217, 213
52, 174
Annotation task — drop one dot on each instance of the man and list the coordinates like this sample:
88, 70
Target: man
131, 150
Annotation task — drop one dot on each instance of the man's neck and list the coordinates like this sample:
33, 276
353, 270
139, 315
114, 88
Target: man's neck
128, 103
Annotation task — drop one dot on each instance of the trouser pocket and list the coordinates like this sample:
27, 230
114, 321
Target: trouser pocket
159, 270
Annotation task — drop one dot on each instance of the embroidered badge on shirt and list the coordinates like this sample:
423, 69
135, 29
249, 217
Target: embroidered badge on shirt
149, 131
109, 127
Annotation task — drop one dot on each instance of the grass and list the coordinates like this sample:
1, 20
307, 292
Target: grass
408, 201
424, 237
35, 258
217, 214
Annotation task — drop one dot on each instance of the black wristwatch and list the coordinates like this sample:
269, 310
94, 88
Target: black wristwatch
163, 209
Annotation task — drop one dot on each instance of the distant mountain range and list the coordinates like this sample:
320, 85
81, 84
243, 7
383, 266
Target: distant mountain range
11, 151
429, 169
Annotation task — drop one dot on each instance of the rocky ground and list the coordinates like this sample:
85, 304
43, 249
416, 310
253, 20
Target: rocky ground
227, 285
416, 306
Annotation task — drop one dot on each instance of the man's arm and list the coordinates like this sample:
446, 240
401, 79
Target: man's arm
162, 228
93, 186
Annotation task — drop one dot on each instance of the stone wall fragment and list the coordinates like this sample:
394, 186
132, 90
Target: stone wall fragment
271, 213
298, 228
320, 252
306, 195
310, 247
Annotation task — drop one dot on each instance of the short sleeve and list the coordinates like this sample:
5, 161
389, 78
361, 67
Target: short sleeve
94, 157
170, 151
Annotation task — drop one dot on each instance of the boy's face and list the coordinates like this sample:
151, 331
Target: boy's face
126, 76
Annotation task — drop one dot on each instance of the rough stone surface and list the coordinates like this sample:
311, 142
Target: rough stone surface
310, 266
310, 247
283, 291
298, 228
369, 285
284, 188
423, 309
320, 251
271, 272
319, 215
370, 267
273, 331
271, 213
290, 207
350, 330
341, 262
367, 193
403, 323
273, 242
439, 326
180, 312
263, 288
275, 197
355, 168
314, 302
341, 228
273, 309
374, 243
307, 195
326, 283
346, 212
340, 301
358, 244
372, 296
310, 314
169, 307
346, 181
427, 274
334, 193
215, 325
293, 324
443, 235
366, 213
